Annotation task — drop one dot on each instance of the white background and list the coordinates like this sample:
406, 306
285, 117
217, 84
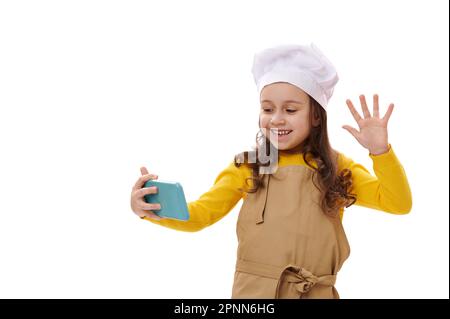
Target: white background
92, 90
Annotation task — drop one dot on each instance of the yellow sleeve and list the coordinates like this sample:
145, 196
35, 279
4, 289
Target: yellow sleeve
389, 191
213, 205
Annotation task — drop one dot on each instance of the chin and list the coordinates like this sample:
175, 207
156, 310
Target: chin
283, 148
294, 148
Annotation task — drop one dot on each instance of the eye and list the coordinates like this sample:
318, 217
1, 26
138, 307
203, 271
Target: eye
267, 110
291, 111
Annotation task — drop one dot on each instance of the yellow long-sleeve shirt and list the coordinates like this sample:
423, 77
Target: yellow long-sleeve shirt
389, 191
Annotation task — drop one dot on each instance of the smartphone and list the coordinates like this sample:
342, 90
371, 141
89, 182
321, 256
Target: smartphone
170, 196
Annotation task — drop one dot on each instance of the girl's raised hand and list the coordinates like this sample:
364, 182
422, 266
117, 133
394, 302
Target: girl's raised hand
372, 134
138, 204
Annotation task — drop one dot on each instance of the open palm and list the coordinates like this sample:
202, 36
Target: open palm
372, 134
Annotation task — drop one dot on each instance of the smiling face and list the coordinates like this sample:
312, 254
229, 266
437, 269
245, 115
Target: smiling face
287, 108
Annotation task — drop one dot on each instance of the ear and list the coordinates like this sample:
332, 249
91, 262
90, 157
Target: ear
316, 120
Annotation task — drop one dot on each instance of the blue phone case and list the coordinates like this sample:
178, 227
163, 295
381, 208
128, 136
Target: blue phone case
170, 196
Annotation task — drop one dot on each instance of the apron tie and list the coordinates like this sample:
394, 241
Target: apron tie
304, 279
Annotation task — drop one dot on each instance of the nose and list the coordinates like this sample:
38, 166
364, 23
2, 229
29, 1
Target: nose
277, 120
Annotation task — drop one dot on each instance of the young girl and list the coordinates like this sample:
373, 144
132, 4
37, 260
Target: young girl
291, 242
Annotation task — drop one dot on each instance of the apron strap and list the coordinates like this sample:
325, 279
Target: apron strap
260, 208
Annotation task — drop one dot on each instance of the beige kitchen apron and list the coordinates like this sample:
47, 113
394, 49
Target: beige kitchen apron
287, 246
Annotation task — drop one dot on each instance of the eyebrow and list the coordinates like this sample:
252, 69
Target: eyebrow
287, 101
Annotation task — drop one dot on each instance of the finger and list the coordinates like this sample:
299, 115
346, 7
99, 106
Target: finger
364, 107
376, 108
146, 191
144, 170
149, 206
351, 130
354, 112
388, 112
148, 214
144, 178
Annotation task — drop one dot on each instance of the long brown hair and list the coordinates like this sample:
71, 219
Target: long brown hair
335, 187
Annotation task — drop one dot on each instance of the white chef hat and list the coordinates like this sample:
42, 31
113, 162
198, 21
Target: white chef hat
303, 66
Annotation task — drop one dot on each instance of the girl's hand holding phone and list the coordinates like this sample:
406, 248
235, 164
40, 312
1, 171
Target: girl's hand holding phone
138, 204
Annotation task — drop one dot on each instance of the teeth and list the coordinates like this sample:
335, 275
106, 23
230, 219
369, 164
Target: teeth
280, 132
